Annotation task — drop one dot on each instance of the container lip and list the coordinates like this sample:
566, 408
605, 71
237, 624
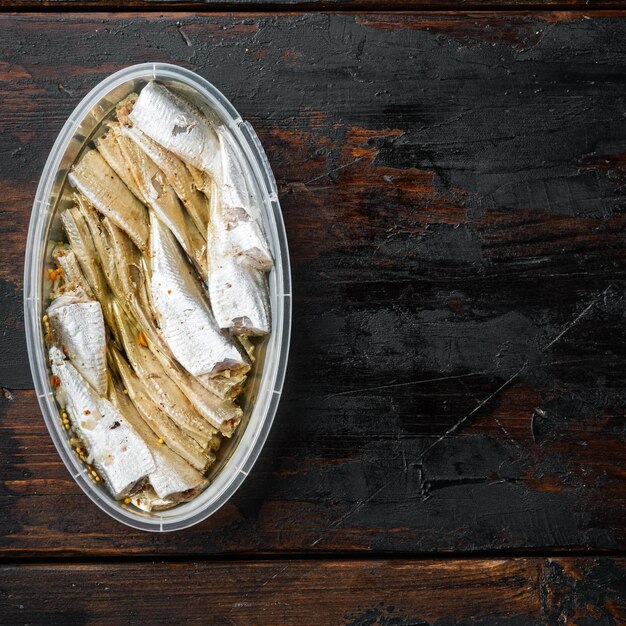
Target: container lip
274, 369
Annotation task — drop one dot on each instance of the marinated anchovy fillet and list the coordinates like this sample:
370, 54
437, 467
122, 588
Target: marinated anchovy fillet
157, 192
79, 329
222, 413
131, 277
183, 314
177, 174
164, 392
237, 212
99, 183
178, 126
158, 299
108, 146
172, 477
119, 454
84, 249
160, 423
237, 288
237, 291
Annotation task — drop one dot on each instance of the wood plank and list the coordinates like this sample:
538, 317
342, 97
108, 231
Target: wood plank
311, 5
528, 591
452, 187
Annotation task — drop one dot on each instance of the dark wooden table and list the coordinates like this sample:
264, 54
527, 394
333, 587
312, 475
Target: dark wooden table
450, 447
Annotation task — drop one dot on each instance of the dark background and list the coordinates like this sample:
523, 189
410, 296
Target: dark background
450, 444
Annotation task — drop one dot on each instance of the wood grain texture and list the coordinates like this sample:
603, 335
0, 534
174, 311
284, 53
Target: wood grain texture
452, 187
363, 593
310, 5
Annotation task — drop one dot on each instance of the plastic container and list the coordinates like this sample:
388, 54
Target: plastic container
237, 455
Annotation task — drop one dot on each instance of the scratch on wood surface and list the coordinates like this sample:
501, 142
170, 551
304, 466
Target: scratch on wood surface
258, 587
460, 422
577, 319
360, 503
334, 170
404, 384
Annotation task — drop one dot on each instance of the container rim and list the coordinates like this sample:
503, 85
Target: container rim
247, 450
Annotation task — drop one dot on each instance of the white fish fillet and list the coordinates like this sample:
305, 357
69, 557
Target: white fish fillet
238, 213
72, 273
164, 392
108, 146
222, 413
178, 126
183, 315
157, 192
119, 454
172, 476
160, 423
79, 328
99, 183
177, 174
83, 247
238, 291
119, 262
131, 280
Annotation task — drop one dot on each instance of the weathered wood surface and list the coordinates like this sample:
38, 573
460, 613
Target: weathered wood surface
362, 593
452, 187
310, 5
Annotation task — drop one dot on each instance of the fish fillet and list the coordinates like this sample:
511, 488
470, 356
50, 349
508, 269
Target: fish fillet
108, 146
164, 392
118, 452
99, 183
158, 421
178, 126
183, 315
172, 476
177, 174
79, 329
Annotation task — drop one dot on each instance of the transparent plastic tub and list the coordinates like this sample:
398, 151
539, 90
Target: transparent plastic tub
237, 455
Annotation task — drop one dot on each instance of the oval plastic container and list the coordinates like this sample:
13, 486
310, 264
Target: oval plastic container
237, 455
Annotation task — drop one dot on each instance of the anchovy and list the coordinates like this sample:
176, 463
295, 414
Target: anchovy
72, 272
172, 477
132, 280
108, 146
177, 174
99, 183
178, 126
117, 255
182, 312
79, 235
118, 452
164, 392
83, 247
157, 192
221, 412
79, 329
239, 217
237, 290
158, 421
